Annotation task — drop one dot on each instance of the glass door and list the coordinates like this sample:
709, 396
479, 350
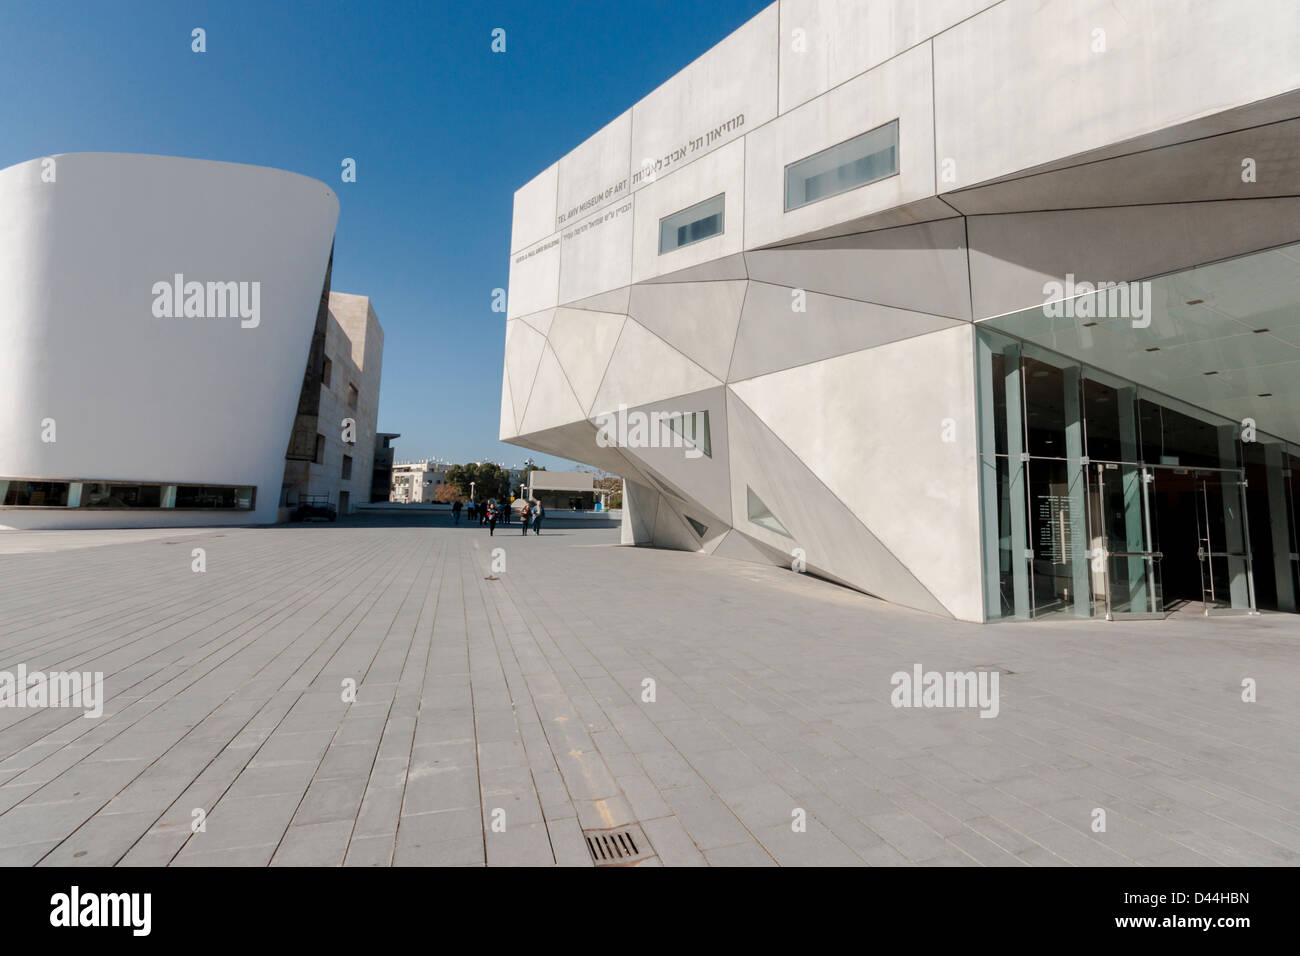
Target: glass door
1125, 553
1223, 542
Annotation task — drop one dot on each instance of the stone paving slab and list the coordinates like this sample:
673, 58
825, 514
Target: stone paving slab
366, 694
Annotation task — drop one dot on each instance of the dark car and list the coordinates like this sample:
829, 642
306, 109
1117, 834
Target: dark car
314, 506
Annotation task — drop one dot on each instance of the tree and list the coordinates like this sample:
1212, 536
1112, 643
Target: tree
488, 480
604, 481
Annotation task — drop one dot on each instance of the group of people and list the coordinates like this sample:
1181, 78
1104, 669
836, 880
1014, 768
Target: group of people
489, 513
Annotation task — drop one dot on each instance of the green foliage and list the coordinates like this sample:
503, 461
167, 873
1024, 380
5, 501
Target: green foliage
489, 481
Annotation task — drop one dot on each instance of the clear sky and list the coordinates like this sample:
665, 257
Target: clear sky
442, 129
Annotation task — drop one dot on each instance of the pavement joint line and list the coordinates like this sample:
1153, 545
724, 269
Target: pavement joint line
771, 686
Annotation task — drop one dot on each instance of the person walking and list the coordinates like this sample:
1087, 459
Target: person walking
538, 513
492, 519
455, 510
523, 517
482, 514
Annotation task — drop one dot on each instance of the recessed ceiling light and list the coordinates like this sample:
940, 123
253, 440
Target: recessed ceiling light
1195, 301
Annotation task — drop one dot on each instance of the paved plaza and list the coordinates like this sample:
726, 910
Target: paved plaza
499, 715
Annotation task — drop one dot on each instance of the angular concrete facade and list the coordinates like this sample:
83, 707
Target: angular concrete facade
834, 343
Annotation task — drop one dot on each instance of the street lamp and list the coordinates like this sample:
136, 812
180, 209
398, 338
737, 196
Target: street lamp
471, 491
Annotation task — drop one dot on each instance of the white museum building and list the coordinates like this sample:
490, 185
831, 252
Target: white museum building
988, 308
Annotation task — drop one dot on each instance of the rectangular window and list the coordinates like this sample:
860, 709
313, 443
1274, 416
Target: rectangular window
107, 494
319, 456
347, 467
855, 162
214, 496
353, 395
326, 372
34, 494
697, 222
118, 494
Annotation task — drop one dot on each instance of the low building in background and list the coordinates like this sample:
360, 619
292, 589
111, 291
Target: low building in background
566, 491
416, 482
381, 482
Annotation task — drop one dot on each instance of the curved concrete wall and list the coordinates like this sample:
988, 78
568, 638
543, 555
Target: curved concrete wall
135, 396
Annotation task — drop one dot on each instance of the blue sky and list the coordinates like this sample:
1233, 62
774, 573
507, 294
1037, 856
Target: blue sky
442, 129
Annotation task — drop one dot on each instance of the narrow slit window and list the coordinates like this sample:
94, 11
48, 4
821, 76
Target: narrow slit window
692, 224
855, 162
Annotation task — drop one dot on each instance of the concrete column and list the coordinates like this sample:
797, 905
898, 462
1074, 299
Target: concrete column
988, 478
1134, 569
1074, 469
1017, 502
1279, 528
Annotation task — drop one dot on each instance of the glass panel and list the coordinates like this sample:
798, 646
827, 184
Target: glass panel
1058, 536
761, 515
698, 222
1128, 534
214, 496
1223, 552
848, 165
1045, 407
1011, 562
1103, 407
112, 494
35, 494
694, 428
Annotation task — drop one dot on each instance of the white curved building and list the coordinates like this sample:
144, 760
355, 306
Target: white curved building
122, 402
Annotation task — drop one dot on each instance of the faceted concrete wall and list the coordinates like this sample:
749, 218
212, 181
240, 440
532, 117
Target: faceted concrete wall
832, 345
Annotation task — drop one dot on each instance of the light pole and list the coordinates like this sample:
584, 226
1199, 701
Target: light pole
471, 491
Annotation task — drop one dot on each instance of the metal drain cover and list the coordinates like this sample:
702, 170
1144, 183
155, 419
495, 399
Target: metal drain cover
621, 846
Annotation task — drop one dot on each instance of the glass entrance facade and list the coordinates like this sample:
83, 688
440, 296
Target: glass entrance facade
1102, 498
1105, 498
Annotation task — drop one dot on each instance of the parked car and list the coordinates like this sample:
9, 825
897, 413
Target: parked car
314, 506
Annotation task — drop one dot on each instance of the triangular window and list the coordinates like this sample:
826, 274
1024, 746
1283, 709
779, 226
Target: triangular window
761, 515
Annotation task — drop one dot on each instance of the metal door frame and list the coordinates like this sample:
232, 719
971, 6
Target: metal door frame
1237, 476
1149, 557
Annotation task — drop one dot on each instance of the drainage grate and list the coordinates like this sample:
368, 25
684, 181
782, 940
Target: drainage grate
624, 846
